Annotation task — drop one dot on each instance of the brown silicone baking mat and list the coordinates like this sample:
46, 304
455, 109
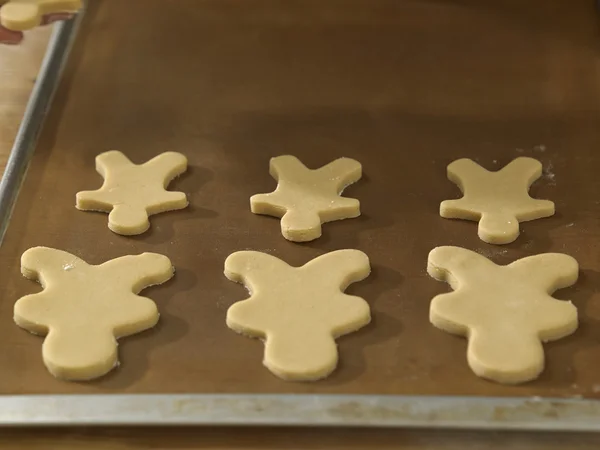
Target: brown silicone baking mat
405, 87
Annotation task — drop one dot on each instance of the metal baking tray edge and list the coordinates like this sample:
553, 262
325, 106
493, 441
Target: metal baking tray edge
489, 413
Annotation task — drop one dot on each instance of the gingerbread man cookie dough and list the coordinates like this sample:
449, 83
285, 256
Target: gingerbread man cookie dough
305, 199
506, 312
498, 200
22, 15
83, 309
131, 192
298, 311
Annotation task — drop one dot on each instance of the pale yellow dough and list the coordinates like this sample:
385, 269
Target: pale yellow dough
298, 311
498, 200
22, 15
133, 192
506, 312
305, 199
83, 309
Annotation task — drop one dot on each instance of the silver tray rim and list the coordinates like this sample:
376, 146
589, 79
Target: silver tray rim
302, 410
448, 412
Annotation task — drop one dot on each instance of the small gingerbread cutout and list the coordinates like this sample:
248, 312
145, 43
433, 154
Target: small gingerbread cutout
305, 199
498, 200
131, 192
83, 309
22, 15
298, 311
506, 312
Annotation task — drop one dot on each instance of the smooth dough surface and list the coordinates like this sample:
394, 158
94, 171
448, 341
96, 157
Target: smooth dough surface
298, 311
22, 15
506, 312
497, 200
131, 192
305, 199
83, 309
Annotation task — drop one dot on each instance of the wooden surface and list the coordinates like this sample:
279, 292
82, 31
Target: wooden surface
288, 439
18, 68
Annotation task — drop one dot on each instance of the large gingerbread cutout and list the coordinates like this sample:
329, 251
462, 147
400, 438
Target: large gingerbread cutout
131, 192
298, 311
83, 309
498, 200
506, 312
305, 199
22, 15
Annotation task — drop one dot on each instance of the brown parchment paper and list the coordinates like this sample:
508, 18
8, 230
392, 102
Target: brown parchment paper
405, 87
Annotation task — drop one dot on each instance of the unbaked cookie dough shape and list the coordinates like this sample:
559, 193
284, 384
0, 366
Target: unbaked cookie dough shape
498, 200
505, 312
298, 311
131, 192
22, 15
305, 199
83, 309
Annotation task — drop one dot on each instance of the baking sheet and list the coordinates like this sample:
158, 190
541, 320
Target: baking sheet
405, 88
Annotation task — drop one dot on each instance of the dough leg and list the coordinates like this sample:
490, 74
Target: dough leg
309, 355
75, 353
498, 228
507, 356
127, 220
301, 226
